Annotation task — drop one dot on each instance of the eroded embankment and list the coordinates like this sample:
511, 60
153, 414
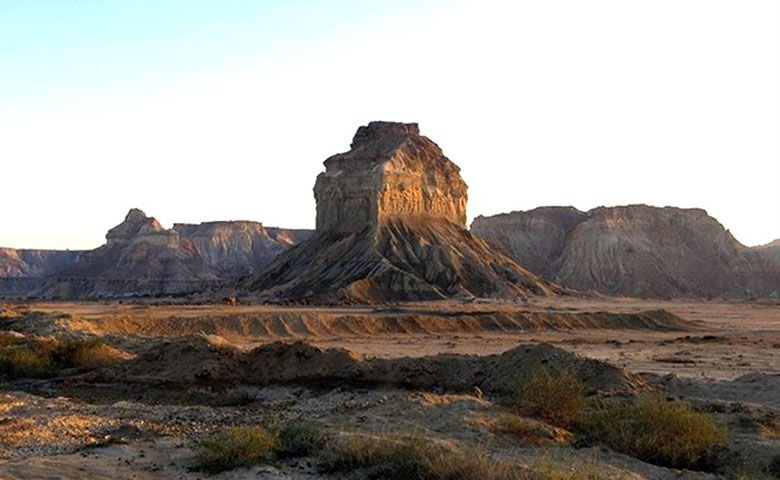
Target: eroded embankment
321, 324
196, 362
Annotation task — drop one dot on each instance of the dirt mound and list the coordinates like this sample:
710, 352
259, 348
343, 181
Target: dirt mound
197, 362
298, 323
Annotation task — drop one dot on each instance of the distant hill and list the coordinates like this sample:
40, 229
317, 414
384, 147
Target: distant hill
635, 250
140, 257
35, 263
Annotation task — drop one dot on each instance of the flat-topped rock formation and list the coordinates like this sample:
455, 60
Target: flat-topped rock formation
34, 263
390, 171
390, 227
634, 250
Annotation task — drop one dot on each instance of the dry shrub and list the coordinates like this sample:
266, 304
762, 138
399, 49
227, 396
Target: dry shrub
24, 361
10, 338
416, 458
555, 396
235, 447
47, 357
299, 438
656, 430
529, 431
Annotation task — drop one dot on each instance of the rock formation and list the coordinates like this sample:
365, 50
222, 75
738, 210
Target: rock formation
34, 263
390, 226
535, 239
238, 248
142, 258
633, 250
390, 171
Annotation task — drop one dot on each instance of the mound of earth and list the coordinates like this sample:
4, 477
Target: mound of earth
200, 362
390, 227
634, 250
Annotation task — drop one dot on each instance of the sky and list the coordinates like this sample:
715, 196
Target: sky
200, 110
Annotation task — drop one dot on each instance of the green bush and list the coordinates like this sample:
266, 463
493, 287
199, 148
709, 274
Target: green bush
235, 447
656, 430
556, 396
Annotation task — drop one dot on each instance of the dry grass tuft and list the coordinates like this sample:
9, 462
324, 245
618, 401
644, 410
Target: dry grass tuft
406, 458
45, 357
529, 431
235, 447
655, 430
555, 396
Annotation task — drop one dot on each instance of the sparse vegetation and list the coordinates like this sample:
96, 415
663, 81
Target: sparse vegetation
300, 438
236, 447
529, 431
555, 396
656, 430
245, 446
10, 338
45, 357
416, 458
387, 457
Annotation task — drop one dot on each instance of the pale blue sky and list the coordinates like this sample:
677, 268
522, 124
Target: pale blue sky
197, 111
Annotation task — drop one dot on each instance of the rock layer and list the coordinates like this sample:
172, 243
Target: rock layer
634, 250
390, 227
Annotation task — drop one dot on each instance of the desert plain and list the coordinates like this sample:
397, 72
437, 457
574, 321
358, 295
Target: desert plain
172, 374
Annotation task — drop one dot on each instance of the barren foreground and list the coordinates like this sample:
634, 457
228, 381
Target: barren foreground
158, 379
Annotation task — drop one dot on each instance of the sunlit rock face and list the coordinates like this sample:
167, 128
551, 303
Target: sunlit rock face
391, 218
390, 171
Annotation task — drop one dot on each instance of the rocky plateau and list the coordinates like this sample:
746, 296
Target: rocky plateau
635, 250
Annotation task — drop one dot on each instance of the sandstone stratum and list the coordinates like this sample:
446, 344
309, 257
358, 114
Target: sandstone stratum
391, 218
635, 250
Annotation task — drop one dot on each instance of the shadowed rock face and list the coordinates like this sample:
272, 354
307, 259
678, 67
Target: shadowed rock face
535, 239
34, 263
390, 171
390, 226
634, 250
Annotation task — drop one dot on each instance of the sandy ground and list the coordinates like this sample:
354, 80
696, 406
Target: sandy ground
726, 340
724, 357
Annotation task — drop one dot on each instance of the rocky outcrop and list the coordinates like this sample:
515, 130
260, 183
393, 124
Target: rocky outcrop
142, 258
139, 248
34, 263
238, 248
390, 171
535, 238
390, 227
633, 250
